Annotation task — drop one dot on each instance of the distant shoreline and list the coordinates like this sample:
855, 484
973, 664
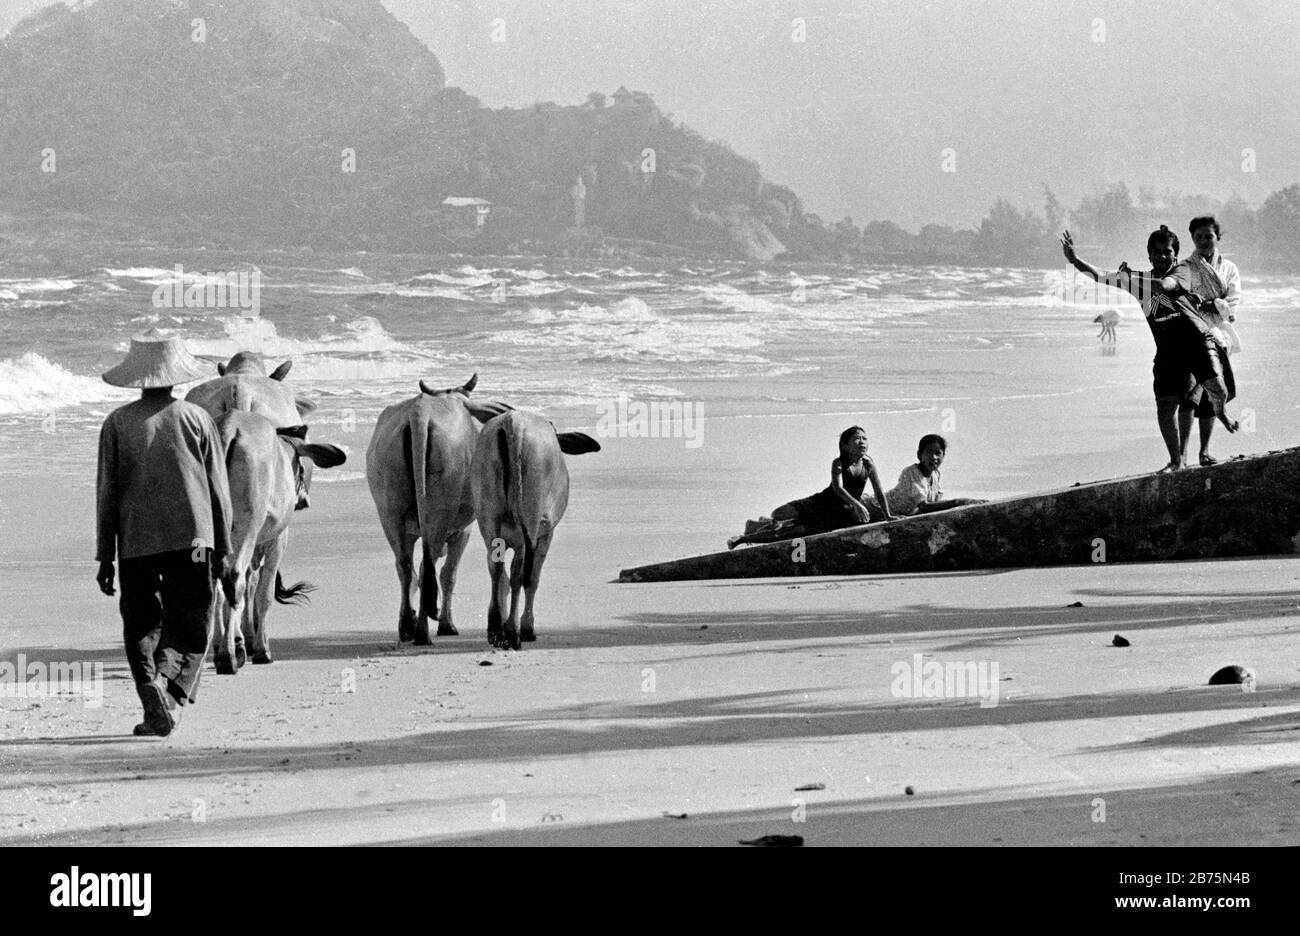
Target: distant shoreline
40, 245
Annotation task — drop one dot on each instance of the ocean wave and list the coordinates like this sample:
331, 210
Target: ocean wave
31, 384
738, 300
631, 331
258, 333
40, 284
144, 273
531, 290
447, 279
337, 477
422, 292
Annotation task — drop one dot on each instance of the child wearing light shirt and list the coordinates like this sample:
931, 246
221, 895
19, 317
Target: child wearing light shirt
918, 489
1215, 279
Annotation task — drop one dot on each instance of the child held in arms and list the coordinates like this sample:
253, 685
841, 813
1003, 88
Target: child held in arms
918, 488
840, 504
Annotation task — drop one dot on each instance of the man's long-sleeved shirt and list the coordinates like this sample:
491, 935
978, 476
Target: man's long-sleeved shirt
162, 481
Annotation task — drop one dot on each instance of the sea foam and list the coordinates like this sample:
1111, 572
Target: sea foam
31, 384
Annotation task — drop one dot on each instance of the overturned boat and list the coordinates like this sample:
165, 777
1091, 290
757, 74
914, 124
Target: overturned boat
1249, 506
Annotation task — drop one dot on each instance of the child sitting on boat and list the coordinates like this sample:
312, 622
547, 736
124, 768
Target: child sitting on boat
840, 504
918, 489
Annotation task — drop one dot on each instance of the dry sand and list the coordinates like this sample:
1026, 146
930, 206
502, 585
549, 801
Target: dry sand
708, 700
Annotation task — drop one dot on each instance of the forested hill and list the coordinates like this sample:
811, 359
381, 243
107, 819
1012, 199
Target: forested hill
325, 122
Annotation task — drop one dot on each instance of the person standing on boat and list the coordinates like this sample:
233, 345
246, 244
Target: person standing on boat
1215, 279
1184, 368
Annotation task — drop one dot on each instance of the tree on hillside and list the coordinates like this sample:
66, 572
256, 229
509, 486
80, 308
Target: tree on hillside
1279, 222
1053, 212
1107, 216
1008, 235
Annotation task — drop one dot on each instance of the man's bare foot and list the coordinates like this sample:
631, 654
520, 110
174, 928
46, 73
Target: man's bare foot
1169, 468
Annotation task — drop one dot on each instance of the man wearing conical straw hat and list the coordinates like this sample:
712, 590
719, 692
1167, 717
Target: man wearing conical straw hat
164, 512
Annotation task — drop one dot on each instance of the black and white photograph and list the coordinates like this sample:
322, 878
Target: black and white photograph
746, 423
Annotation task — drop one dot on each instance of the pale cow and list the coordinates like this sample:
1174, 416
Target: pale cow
418, 467
270, 474
243, 384
520, 492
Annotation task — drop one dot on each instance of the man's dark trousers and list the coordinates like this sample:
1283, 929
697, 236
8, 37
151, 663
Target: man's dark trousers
165, 606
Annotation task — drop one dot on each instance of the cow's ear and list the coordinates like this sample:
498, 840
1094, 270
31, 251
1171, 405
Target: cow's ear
221, 370
487, 410
282, 371
324, 455
305, 407
577, 443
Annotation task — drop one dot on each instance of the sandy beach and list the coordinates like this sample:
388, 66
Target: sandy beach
676, 714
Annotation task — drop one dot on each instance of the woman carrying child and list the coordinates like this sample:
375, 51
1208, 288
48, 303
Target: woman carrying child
840, 504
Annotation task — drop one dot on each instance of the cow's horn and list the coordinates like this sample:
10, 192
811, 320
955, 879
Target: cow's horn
473, 381
282, 371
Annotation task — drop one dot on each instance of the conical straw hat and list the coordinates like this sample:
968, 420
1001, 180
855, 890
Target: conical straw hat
156, 360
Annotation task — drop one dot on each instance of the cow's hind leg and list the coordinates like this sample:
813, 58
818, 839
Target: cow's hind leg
510, 627
244, 626
225, 625
533, 578
431, 547
456, 544
403, 546
259, 641
500, 588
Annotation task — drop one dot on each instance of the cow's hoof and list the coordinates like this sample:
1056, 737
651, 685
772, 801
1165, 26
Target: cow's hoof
405, 631
527, 636
262, 656
447, 630
422, 640
241, 656
511, 640
225, 666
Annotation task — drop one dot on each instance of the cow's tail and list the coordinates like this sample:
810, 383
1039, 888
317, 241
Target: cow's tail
415, 448
417, 431
296, 594
512, 477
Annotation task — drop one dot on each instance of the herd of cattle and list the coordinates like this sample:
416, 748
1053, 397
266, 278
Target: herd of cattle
432, 471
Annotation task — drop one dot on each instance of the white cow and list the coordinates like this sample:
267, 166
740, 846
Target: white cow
520, 491
418, 468
270, 474
243, 384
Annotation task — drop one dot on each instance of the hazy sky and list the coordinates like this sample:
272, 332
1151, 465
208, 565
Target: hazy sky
856, 118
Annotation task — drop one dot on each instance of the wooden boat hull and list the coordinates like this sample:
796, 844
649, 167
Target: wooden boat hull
1249, 506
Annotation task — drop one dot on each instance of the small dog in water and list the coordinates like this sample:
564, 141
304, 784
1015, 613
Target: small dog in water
1108, 320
